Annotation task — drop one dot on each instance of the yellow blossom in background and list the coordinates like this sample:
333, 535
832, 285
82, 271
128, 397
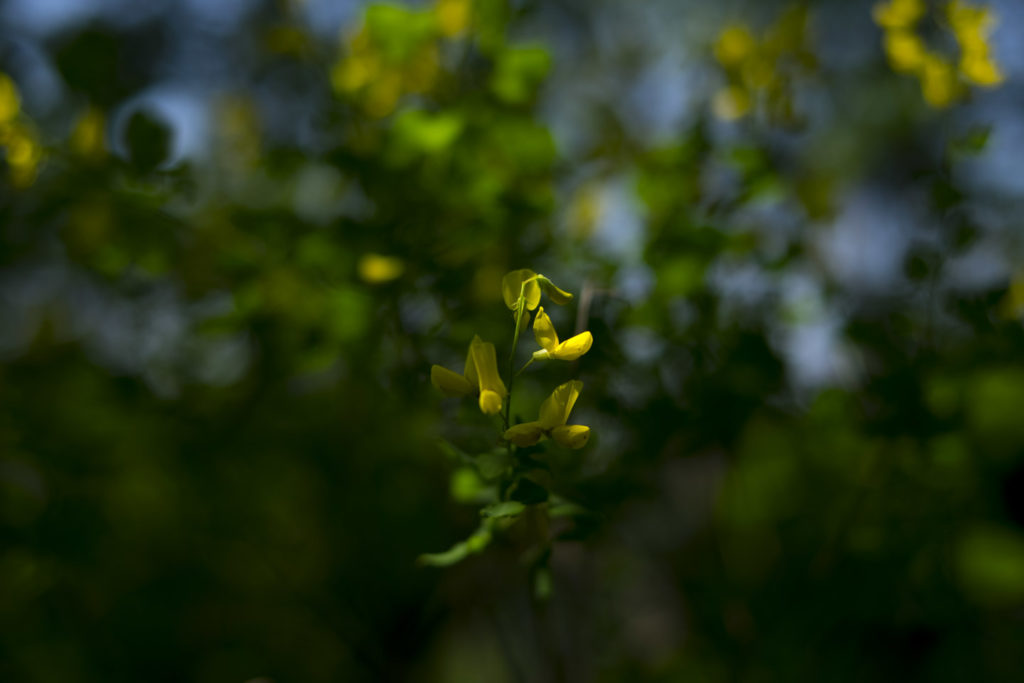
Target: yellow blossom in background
905, 50
420, 75
551, 347
734, 45
972, 27
353, 73
23, 157
943, 79
939, 85
760, 69
757, 74
970, 24
453, 16
10, 102
87, 137
18, 140
899, 14
554, 413
731, 103
585, 211
981, 70
1013, 305
376, 268
383, 94
379, 66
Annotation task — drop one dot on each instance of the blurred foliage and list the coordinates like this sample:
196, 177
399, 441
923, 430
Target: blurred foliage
220, 450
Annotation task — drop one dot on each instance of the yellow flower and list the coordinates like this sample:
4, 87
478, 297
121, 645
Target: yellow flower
899, 13
972, 25
731, 103
87, 137
377, 268
981, 70
10, 103
558, 296
480, 374
519, 281
939, 84
554, 413
528, 283
905, 49
734, 45
450, 383
570, 349
453, 17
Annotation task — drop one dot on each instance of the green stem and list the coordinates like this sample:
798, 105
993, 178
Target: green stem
520, 305
525, 366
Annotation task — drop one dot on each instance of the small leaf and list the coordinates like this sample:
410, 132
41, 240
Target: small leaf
555, 293
973, 141
543, 585
460, 551
568, 510
494, 464
466, 486
508, 508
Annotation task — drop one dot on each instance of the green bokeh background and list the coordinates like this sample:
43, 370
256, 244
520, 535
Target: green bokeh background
220, 452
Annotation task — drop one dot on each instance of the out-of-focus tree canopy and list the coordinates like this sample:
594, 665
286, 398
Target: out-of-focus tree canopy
235, 236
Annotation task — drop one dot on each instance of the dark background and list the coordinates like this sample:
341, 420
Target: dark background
234, 236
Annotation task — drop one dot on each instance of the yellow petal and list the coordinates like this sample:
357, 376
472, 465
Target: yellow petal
486, 362
981, 70
525, 434
735, 43
571, 436
905, 49
559, 296
544, 331
512, 285
899, 13
450, 383
574, 347
377, 269
556, 407
524, 322
470, 371
490, 402
10, 103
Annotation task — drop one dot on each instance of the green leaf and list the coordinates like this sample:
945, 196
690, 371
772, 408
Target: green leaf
466, 486
460, 551
508, 508
398, 31
972, 142
519, 72
543, 585
569, 510
494, 464
425, 132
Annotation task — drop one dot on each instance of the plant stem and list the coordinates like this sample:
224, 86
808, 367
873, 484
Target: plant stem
520, 305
